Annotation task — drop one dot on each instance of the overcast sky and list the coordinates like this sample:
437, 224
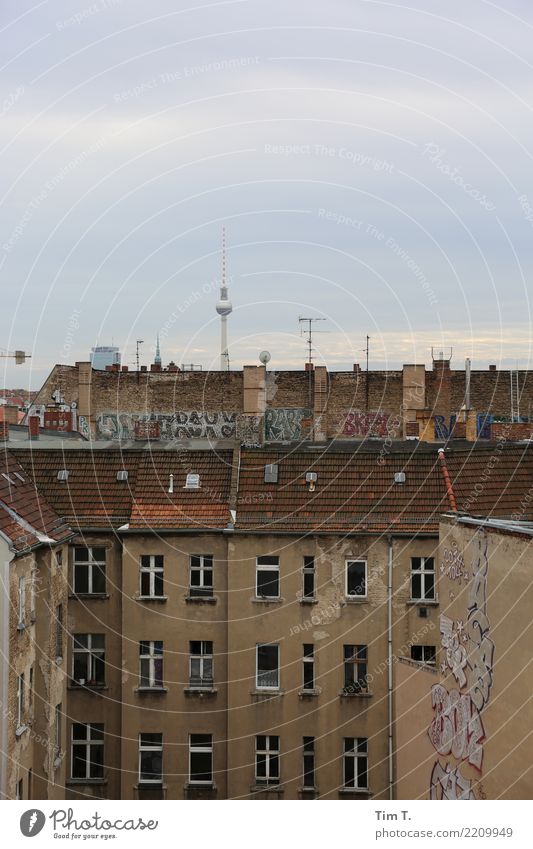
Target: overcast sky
372, 163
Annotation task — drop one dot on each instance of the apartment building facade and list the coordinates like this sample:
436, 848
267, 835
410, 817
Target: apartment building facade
234, 614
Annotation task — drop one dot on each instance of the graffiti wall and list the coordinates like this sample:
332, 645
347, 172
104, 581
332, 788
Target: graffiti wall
457, 731
354, 424
286, 424
183, 424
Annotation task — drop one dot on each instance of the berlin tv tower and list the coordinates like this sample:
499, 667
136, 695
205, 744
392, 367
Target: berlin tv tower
224, 308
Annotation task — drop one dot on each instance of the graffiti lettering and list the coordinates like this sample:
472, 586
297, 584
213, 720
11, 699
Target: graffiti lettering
285, 425
449, 784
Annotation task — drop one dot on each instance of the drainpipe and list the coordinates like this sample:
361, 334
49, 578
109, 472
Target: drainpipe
389, 695
447, 481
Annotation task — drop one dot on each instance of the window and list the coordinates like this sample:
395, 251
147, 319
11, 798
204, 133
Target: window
30, 693
33, 587
59, 631
422, 578
151, 575
355, 667
424, 654
88, 658
57, 730
201, 575
150, 758
356, 578
355, 763
150, 663
192, 481
309, 577
267, 673
308, 778
19, 793
309, 666
200, 759
267, 759
22, 601
267, 577
89, 571
201, 663
87, 750
20, 700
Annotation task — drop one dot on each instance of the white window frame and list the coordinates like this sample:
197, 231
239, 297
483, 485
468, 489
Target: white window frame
354, 663
201, 660
91, 562
309, 569
203, 569
432, 661
347, 561
59, 636
307, 754
354, 756
20, 699
258, 685
269, 752
88, 741
22, 600
150, 747
33, 594
267, 567
58, 725
308, 660
198, 748
423, 572
149, 659
151, 570
89, 652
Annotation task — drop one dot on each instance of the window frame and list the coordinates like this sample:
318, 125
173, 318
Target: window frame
202, 590
353, 755
90, 653
354, 595
353, 661
308, 662
149, 747
267, 567
59, 636
200, 749
22, 601
58, 729
88, 742
424, 574
149, 658
258, 685
206, 681
21, 699
308, 753
433, 655
309, 571
92, 565
270, 754
152, 570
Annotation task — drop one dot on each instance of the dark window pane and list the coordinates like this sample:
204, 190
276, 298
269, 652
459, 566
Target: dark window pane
416, 562
261, 742
78, 761
362, 772
79, 731
80, 667
429, 563
145, 583
308, 649
151, 739
99, 669
309, 562
430, 586
201, 766
158, 583
98, 579
98, 554
356, 581
268, 560
349, 774
274, 766
145, 561
97, 731
309, 676
97, 761
151, 766
80, 640
267, 583
416, 586
81, 553
81, 578
309, 771
260, 766
309, 584
274, 742
158, 561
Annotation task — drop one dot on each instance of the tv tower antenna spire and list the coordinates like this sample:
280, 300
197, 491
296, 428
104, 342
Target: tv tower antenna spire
224, 308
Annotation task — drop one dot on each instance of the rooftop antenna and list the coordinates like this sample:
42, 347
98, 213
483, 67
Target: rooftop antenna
367, 389
310, 331
224, 307
157, 358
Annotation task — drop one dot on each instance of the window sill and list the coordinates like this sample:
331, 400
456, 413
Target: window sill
21, 729
275, 599
274, 789
308, 792
355, 791
96, 596
351, 599
97, 687
157, 690
344, 695
264, 695
310, 600
308, 694
201, 599
200, 692
207, 785
158, 599
76, 782
150, 785
423, 602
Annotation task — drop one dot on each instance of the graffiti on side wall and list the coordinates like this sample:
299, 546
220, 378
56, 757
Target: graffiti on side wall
354, 424
444, 427
457, 729
83, 427
184, 424
285, 424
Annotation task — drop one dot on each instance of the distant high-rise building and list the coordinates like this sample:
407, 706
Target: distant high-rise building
104, 355
157, 358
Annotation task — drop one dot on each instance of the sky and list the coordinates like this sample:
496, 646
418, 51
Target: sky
371, 163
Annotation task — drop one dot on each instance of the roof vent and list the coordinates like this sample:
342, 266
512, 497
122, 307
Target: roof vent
399, 477
62, 475
271, 473
171, 483
8, 478
192, 482
122, 475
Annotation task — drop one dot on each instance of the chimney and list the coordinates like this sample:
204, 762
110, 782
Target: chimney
33, 427
11, 412
492, 368
309, 366
4, 431
254, 390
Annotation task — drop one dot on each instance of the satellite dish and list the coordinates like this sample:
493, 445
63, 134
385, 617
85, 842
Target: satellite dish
264, 356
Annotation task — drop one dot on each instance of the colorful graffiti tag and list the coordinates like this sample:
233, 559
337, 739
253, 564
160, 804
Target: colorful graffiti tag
457, 728
354, 424
183, 424
285, 424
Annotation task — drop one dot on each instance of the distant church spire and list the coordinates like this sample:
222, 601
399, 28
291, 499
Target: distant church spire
157, 358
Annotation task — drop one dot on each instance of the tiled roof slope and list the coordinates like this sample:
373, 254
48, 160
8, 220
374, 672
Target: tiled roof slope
355, 491
25, 516
92, 496
495, 481
155, 506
